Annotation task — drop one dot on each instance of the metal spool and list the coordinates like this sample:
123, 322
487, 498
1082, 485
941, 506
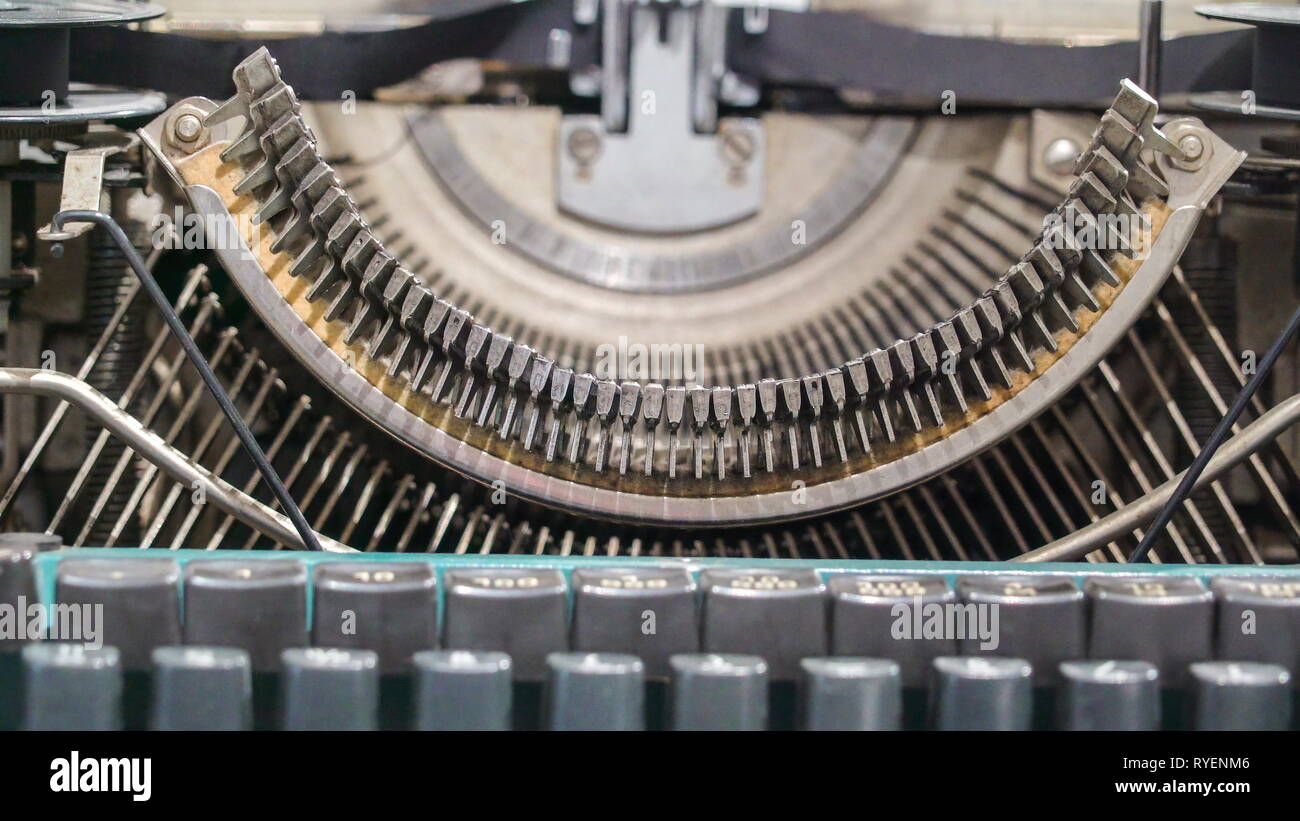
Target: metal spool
36, 98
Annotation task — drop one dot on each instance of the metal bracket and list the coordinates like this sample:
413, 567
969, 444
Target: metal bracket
650, 161
83, 181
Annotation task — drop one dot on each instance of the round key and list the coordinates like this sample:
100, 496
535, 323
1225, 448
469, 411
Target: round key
388, 607
647, 612
865, 620
1258, 620
257, 605
778, 615
1166, 620
851, 694
330, 689
1039, 618
202, 688
1241, 695
72, 687
35, 542
718, 692
462, 690
982, 693
139, 600
595, 691
520, 611
1110, 695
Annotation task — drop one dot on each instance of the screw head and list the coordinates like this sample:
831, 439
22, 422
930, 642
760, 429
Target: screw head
1060, 156
584, 145
1192, 147
737, 146
188, 128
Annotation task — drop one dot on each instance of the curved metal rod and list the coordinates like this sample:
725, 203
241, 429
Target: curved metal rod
1216, 439
171, 461
305, 534
1087, 539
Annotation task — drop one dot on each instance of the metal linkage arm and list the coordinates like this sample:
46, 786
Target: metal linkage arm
192, 351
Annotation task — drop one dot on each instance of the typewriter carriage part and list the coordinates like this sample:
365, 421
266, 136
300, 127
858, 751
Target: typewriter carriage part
439, 339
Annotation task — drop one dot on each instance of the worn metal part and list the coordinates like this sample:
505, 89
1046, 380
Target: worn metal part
172, 461
650, 162
83, 182
616, 266
1242, 445
1039, 328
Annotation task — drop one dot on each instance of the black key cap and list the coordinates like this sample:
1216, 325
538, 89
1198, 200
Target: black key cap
865, 623
72, 687
201, 688
389, 607
1110, 695
1039, 618
1259, 620
851, 694
140, 600
1241, 695
518, 611
595, 691
648, 612
718, 692
982, 693
35, 542
778, 615
260, 606
17, 593
462, 690
330, 689
1166, 620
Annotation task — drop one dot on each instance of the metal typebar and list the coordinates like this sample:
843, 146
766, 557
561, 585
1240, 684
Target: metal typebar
305, 533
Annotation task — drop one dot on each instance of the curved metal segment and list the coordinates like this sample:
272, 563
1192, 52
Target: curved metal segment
797, 502
1038, 330
622, 269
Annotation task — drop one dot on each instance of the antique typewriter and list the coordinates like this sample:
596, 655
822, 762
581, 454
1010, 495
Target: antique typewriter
649, 364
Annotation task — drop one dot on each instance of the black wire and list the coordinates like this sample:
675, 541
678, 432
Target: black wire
1217, 438
150, 285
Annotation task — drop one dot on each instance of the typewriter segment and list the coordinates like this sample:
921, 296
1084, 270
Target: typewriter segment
649, 365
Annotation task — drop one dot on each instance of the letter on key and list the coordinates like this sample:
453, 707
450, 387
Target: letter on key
257, 605
1259, 620
1167, 621
1041, 619
462, 690
330, 689
72, 687
778, 615
201, 688
140, 600
389, 607
595, 691
647, 612
520, 612
884, 617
